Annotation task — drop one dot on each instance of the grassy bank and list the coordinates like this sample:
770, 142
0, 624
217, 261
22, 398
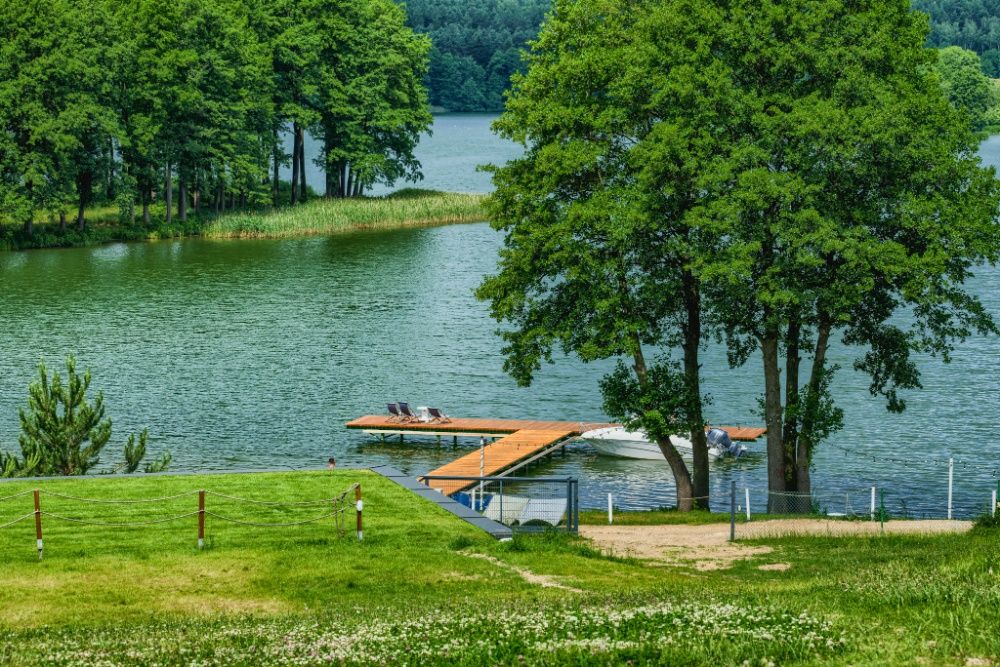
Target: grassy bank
425, 588
406, 208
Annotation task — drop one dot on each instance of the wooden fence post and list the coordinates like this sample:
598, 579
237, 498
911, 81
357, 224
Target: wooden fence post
360, 506
201, 519
38, 525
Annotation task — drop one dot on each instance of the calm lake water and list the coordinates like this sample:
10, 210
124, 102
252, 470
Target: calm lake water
252, 354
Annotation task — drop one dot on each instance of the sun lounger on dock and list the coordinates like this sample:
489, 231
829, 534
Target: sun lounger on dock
438, 417
394, 412
408, 415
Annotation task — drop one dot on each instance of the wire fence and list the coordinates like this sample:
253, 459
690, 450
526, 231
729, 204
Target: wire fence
142, 512
526, 504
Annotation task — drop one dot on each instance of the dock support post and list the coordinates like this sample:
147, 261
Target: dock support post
439, 441
38, 525
400, 438
454, 441
732, 511
951, 483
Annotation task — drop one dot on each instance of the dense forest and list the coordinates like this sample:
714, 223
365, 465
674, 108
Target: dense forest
186, 102
477, 46
971, 24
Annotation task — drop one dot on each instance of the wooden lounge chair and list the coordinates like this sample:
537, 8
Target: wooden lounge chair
394, 415
407, 413
438, 417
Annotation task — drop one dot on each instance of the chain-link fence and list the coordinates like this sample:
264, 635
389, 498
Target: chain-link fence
526, 504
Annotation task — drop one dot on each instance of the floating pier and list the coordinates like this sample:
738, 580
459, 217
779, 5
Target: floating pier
515, 442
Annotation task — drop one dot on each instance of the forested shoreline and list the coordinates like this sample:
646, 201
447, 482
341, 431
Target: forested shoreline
182, 105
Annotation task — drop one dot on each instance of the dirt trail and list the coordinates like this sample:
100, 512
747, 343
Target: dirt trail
707, 547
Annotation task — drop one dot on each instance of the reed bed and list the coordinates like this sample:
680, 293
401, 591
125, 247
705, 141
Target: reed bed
408, 208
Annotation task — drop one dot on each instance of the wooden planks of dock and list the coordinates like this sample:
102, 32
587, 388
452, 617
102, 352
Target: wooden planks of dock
495, 457
521, 441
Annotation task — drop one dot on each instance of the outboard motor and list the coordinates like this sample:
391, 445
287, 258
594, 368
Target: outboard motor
720, 440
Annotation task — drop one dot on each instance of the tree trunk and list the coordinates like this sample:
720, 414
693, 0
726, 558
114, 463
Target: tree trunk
182, 197
145, 204
803, 453
692, 376
29, 226
328, 171
84, 186
793, 406
222, 197
342, 182
776, 483
358, 188
682, 478
295, 163
62, 221
301, 137
168, 193
276, 182
350, 183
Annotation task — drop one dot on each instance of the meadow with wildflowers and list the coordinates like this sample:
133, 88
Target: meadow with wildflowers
411, 594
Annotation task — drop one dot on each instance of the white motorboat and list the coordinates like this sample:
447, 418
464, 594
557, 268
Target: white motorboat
620, 442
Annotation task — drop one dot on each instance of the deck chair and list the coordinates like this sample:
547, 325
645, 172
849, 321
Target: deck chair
407, 413
438, 417
394, 415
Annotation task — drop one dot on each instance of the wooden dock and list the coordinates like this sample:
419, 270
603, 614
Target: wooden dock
520, 442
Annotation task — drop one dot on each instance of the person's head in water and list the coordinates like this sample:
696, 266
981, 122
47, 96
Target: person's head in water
331, 464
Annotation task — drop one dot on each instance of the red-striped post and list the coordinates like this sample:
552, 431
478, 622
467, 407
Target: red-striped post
201, 519
38, 524
360, 506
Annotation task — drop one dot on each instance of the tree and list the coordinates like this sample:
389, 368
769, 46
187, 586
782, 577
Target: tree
63, 430
965, 84
854, 205
601, 213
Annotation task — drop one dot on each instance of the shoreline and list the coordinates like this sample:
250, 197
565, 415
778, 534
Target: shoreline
405, 209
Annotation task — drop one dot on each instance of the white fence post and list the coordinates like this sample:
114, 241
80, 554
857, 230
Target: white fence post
747, 490
611, 511
951, 483
872, 510
993, 503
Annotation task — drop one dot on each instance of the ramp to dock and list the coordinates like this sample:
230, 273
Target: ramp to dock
504, 455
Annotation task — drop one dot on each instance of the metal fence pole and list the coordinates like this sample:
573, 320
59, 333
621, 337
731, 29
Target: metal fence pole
732, 511
951, 483
872, 510
201, 519
38, 525
611, 511
747, 493
501, 500
993, 503
576, 506
360, 506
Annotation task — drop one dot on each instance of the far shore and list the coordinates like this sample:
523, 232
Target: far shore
406, 208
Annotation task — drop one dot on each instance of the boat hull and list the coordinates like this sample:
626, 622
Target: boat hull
630, 444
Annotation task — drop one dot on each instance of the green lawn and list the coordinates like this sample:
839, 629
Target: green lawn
425, 588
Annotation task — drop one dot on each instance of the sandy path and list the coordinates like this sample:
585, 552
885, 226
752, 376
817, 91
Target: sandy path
707, 547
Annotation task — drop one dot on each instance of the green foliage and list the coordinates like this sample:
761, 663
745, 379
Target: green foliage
969, 24
62, 426
63, 430
104, 102
477, 47
965, 84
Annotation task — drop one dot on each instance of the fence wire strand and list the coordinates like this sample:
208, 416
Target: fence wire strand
268, 503
16, 495
220, 517
19, 520
120, 525
113, 501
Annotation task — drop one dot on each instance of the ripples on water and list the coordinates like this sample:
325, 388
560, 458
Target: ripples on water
243, 354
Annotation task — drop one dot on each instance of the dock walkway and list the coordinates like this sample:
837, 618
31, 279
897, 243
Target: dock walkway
520, 442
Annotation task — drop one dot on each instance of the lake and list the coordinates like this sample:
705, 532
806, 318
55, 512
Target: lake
252, 354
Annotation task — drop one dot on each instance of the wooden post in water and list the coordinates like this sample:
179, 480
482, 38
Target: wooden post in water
38, 525
201, 519
360, 506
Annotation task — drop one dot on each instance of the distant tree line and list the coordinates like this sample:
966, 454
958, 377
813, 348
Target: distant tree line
970, 24
107, 101
477, 45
